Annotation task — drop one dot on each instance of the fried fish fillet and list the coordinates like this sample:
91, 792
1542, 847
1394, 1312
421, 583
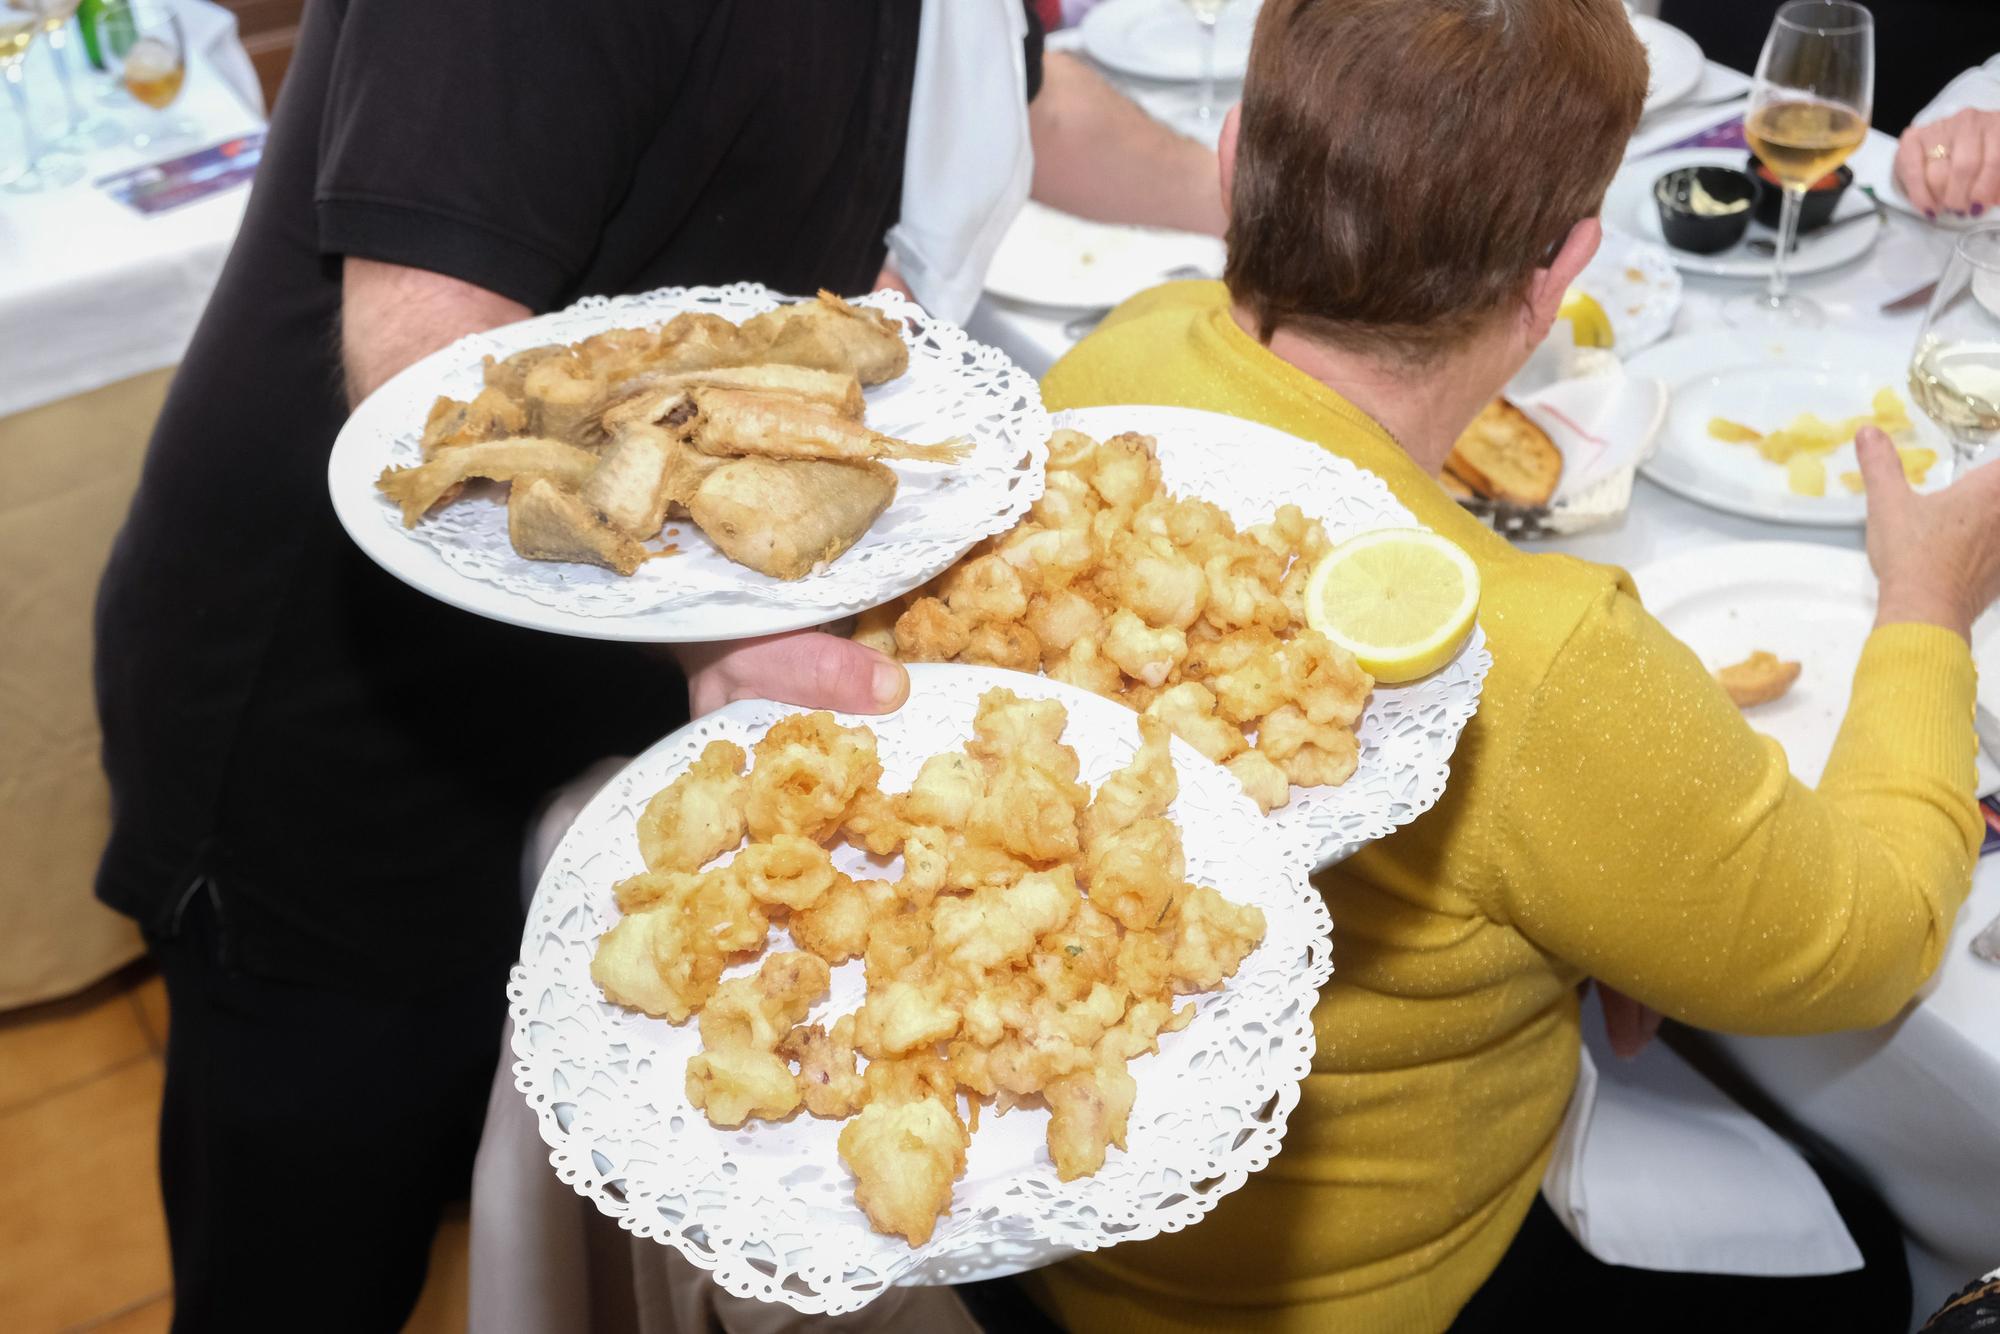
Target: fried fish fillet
509, 375
830, 335
565, 400
696, 341
1506, 457
648, 397
783, 517
629, 485
740, 423
491, 415
1758, 679
416, 489
546, 522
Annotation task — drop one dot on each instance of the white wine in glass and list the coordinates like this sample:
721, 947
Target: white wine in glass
1809, 111
1955, 370
153, 69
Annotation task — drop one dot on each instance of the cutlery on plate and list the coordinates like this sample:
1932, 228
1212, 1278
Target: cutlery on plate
1763, 245
1910, 302
1090, 319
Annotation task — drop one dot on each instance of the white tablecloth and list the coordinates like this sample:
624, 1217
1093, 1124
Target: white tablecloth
1915, 1105
93, 292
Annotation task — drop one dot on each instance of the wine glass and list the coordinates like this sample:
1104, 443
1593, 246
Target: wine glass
153, 68
1809, 110
87, 129
45, 169
1208, 13
1955, 370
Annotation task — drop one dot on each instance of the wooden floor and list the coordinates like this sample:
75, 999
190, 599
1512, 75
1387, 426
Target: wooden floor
83, 1245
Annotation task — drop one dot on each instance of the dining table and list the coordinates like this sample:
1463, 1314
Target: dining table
1914, 1105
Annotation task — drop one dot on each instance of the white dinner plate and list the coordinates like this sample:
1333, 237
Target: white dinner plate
460, 553
1052, 258
1765, 381
1639, 288
1674, 59
1161, 39
1630, 208
1807, 603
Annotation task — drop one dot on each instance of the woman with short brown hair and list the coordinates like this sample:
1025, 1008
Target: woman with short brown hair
1413, 185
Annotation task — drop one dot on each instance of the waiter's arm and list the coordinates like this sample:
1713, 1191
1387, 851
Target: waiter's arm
1099, 156
391, 316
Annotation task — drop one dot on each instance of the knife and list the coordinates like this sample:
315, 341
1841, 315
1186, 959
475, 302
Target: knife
1913, 300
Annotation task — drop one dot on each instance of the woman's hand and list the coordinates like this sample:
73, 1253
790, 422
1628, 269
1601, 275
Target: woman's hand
1936, 556
806, 667
1952, 165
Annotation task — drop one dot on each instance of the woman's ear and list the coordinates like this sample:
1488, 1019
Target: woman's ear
1548, 285
1225, 154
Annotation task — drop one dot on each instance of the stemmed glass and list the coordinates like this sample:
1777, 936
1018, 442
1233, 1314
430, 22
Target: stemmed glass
1208, 13
87, 129
1809, 110
153, 68
1955, 370
46, 170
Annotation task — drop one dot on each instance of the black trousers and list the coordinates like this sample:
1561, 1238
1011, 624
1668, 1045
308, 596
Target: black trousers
1548, 1283
309, 1138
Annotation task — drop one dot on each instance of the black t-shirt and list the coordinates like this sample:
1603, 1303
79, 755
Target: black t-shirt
347, 763
1919, 44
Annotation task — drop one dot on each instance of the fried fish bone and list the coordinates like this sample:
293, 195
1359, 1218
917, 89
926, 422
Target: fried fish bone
1758, 679
832, 335
743, 423
547, 522
416, 490
786, 518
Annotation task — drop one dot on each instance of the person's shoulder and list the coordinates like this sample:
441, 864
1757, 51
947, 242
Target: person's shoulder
1137, 352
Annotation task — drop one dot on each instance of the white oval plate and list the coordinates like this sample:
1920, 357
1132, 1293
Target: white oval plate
769, 1208
1052, 258
1674, 61
460, 554
1809, 603
1629, 207
1161, 39
1765, 381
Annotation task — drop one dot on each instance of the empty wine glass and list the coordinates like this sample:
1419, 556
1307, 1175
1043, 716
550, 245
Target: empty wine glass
87, 128
1208, 13
1808, 112
153, 69
45, 169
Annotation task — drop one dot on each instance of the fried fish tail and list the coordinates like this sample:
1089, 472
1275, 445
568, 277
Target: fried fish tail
416, 490
784, 517
741, 423
547, 522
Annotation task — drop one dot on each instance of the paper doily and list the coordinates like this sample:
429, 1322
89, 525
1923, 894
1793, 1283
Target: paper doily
954, 387
769, 1208
1408, 733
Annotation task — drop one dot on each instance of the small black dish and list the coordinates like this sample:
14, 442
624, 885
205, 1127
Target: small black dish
1815, 210
1704, 209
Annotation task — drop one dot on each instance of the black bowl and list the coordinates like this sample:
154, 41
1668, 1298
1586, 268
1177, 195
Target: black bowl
1815, 210
1730, 192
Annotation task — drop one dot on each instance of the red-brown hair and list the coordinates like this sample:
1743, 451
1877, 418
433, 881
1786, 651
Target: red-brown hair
1403, 166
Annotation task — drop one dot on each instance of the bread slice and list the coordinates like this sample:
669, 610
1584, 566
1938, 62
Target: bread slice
1504, 456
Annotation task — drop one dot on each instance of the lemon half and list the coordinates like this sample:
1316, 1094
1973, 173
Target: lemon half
1587, 318
1401, 600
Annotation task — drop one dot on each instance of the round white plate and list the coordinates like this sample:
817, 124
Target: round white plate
460, 554
1639, 287
1407, 732
1765, 381
1630, 208
1809, 603
1161, 39
769, 1208
1674, 59
1052, 258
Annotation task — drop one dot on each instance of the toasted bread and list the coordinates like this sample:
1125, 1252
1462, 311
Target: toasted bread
1504, 456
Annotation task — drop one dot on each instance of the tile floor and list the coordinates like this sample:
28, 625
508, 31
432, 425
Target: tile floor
83, 1245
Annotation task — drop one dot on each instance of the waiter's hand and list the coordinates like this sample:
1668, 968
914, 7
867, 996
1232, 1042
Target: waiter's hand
808, 668
1628, 1024
1952, 165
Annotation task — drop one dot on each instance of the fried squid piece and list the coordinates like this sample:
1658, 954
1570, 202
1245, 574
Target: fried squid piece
699, 816
732, 1085
739, 422
1209, 936
808, 771
491, 415
1087, 1113
416, 489
904, 1157
829, 1084
547, 522
787, 518
831, 335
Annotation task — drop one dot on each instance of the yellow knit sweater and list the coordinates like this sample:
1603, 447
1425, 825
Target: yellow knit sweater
1609, 815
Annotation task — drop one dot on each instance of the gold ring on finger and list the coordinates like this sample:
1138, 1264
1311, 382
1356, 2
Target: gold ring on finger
1939, 152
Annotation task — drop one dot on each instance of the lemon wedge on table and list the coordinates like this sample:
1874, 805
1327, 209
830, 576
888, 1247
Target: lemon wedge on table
1591, 325
1401, 600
